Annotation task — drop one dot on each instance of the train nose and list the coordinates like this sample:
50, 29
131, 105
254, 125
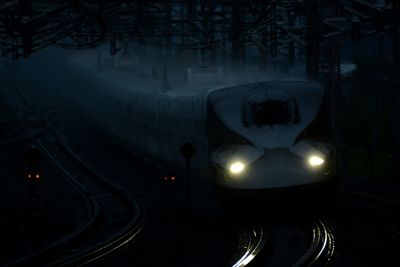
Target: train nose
279, 168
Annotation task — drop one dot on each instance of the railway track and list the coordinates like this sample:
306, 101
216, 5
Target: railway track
251, 242
99, 234
254, 251
112, 216
321, 248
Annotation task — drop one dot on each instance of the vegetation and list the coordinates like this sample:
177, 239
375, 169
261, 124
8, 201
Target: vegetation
369, 116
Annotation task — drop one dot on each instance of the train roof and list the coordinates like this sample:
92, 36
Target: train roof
263, 82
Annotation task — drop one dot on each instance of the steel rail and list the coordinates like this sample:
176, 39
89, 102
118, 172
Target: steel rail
117, 240
89, 203
257, 237
321, 248
100, 249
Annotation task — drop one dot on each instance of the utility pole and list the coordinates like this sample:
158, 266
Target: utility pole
312, 39
187, 151
396, 33
378, 90
332, 81
237, 42
26, 31
292, 48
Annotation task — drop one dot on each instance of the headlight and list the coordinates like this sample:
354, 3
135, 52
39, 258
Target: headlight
236, 167
315, 161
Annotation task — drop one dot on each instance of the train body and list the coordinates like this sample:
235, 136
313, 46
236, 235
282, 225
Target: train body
268, 136
264, 136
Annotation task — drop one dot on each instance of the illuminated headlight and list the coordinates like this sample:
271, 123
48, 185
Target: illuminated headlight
315, 161
236, 167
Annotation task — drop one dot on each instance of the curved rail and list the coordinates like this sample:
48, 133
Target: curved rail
49, 256
321, 248
115, 241
92, 215
256, 237
90, 205
319, 252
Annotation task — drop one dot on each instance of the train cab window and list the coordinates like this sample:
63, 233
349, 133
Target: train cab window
270, 112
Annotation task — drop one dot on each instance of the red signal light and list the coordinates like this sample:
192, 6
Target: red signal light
37, 176
169, 178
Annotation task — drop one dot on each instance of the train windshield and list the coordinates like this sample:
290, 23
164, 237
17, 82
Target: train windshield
268, 112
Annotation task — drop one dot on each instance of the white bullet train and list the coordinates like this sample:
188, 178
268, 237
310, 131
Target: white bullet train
269, 138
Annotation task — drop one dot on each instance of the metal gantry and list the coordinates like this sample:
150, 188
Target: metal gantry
274, 27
